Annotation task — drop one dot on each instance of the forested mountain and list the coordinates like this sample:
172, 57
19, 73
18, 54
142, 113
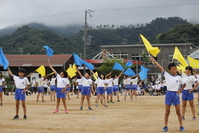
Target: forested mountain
130, 34
187, 33
160, 30
61, 30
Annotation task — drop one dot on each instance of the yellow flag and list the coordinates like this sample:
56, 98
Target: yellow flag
96, 73
178, 56
71, 72
41, 70
193, 62
152, 50
180, 67
74, 67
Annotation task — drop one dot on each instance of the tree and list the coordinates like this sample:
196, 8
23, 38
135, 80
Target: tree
107, 66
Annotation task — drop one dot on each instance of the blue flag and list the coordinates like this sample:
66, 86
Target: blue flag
88, 65
143, 68
129, 72
118, 66
77, 60
49, 51
128, 64
143, 74
3, 60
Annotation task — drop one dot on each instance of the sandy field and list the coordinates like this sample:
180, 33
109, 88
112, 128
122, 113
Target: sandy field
143, 115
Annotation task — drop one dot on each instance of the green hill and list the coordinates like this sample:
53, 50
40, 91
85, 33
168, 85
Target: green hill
61, 30
32, 39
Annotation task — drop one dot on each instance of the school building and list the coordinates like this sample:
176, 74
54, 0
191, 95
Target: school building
137, 52
31, 62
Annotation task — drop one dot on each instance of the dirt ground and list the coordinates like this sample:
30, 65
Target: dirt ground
144, 115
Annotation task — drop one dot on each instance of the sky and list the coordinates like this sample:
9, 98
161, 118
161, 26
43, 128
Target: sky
112, 12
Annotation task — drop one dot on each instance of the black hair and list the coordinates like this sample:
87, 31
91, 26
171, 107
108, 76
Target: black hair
65, 74
1, 75
53, 75
39, 75
171, 65
33, 78
22, 70
100, 75
88, 73
190, 69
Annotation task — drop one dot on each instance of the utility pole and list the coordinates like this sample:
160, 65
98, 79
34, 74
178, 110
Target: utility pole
85, 37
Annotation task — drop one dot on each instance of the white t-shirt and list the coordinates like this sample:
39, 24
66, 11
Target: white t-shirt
189, 80
134, 81
33, 83
86, 82
127, 81
79, 81
109, 82
197, 76
61, 81
40, 82
2, 80
100, 82
157, 86
172, 82
21, 83
52, 81
46, 83
115, 81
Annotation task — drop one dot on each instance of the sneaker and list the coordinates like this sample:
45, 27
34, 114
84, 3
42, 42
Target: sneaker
1, 104
16, 117
56, 111
89, 108
124, 99
183, 118
112, 102
66, 111
182, 129
96, 105
105, 106
165, 129
37, 100
25, 117
107, 101
194, 118
131, 99
43, 101
118, 100
81, 108
68, 98
198, 103
51, 100
198, 113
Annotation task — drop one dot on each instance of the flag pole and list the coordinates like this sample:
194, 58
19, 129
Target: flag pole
150, 56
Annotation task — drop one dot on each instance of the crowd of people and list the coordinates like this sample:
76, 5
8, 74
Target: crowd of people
104, 87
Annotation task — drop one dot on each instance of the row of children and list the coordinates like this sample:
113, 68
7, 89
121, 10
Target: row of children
84, 84
172, 81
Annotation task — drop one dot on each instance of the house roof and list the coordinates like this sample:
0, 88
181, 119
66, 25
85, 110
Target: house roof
37, 60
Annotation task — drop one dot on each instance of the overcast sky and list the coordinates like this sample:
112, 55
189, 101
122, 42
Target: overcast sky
117, 12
